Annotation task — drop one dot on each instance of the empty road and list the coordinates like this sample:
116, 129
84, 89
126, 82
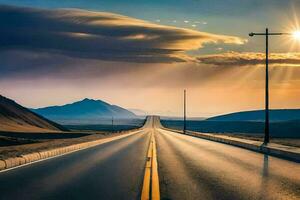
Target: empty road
194, 168
112, 170
188, 168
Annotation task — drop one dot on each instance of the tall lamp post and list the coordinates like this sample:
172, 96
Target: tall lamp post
267, 120
184, 111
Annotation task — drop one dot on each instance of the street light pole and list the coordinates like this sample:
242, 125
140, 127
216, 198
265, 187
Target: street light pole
184, 112
112, 123
267, 120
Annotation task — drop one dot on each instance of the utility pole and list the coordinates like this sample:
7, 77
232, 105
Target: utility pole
184, 112
112, 123
267, 120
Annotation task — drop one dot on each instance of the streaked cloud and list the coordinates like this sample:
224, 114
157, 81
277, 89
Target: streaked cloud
99, 35
250, 58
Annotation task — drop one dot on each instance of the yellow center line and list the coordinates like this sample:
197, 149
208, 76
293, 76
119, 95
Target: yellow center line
155, 195
151, 181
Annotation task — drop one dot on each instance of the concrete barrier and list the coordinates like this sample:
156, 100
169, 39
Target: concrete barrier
31, 157
22, 161
2, 165
43, 154
281, 151
11, 162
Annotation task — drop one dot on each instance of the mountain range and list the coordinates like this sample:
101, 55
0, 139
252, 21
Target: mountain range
259, 115
85, 110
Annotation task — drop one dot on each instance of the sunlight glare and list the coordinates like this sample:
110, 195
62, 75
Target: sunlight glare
296, 35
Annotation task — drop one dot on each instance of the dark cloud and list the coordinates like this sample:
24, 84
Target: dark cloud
98, 35
20, 64
250, 58
34, 66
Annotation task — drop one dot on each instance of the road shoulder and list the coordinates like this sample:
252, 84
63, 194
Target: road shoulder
36, 156
278, 150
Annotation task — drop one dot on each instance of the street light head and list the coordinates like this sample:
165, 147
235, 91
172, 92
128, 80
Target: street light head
251, 34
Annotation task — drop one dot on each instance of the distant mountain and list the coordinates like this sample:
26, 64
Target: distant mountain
86, 109
259, 115
14, 117
278, 129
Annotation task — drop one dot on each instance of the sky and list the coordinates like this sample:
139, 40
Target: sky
143, 54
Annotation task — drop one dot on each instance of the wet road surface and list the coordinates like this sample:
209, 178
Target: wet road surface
189, 168
112, 170
194, 168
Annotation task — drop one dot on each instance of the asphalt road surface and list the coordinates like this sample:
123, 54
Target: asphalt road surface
189, 168
112, 170
194, 168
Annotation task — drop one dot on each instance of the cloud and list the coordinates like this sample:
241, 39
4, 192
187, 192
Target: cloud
250, 58
99, 35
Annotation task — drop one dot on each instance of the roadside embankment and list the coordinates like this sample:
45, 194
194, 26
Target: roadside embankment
14, 156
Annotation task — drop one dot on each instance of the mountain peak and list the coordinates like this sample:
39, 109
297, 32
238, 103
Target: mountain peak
87, 99
84, 109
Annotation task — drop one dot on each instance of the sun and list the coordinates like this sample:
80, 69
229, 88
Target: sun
296, 35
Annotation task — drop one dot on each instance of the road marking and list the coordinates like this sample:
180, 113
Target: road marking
151, 180
155, 195
147, 176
